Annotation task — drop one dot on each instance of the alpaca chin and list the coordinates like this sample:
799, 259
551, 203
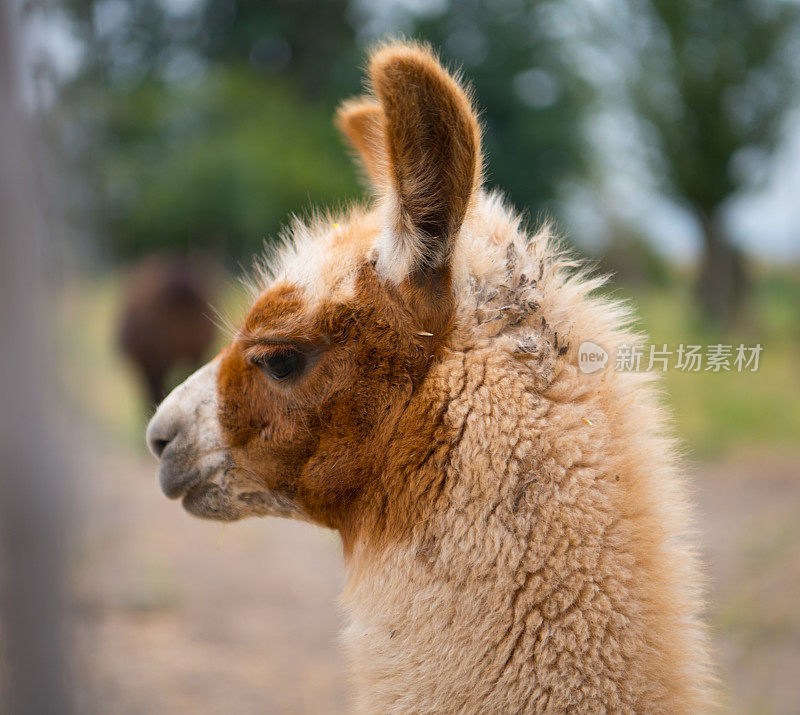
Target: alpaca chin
219, 499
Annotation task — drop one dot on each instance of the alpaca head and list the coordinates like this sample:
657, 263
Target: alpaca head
293, 416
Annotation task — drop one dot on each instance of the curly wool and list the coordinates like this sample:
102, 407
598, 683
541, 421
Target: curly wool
553, 567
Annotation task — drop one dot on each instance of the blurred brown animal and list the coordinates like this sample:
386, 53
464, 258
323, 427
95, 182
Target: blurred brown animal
165, 318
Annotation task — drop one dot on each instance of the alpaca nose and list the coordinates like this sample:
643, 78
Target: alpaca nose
157, 444
163, 428
179, 409
170, 419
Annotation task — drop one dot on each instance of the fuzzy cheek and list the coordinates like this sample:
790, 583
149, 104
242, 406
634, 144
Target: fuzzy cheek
266, 437
239, 392
247, 412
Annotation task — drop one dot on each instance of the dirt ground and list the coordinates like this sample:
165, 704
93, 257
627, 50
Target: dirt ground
174, 615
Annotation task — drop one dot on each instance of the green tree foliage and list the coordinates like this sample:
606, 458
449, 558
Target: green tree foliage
219, 165
714, 83
311, 42
207, 123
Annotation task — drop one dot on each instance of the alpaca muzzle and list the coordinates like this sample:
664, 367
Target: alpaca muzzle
184, 435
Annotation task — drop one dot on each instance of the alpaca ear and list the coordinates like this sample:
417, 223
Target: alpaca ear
433, 162
361, 121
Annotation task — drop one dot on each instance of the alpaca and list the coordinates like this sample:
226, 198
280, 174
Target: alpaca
514, 530
165, 318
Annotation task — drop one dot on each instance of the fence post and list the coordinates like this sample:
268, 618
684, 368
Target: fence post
32, 475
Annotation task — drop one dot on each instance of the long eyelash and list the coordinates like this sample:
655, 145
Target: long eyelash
262, 351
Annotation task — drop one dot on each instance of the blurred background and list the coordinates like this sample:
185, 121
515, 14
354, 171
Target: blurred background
152, 146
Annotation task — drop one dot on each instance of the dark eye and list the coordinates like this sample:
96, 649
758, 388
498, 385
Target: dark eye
283, 365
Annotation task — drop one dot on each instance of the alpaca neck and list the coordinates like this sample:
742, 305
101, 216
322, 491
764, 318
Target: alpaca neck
504, 572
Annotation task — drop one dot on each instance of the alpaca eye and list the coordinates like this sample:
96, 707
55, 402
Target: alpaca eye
283, 365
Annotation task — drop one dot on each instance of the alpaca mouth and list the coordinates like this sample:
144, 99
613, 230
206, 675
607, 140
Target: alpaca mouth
203, 485
221, 498
182, 470
175, 481
211, 487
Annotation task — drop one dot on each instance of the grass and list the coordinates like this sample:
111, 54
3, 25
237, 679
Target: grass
727, 411
715, 413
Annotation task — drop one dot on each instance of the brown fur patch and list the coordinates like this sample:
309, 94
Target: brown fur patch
316, 441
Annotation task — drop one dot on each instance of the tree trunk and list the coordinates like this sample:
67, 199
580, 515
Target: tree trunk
722, 282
